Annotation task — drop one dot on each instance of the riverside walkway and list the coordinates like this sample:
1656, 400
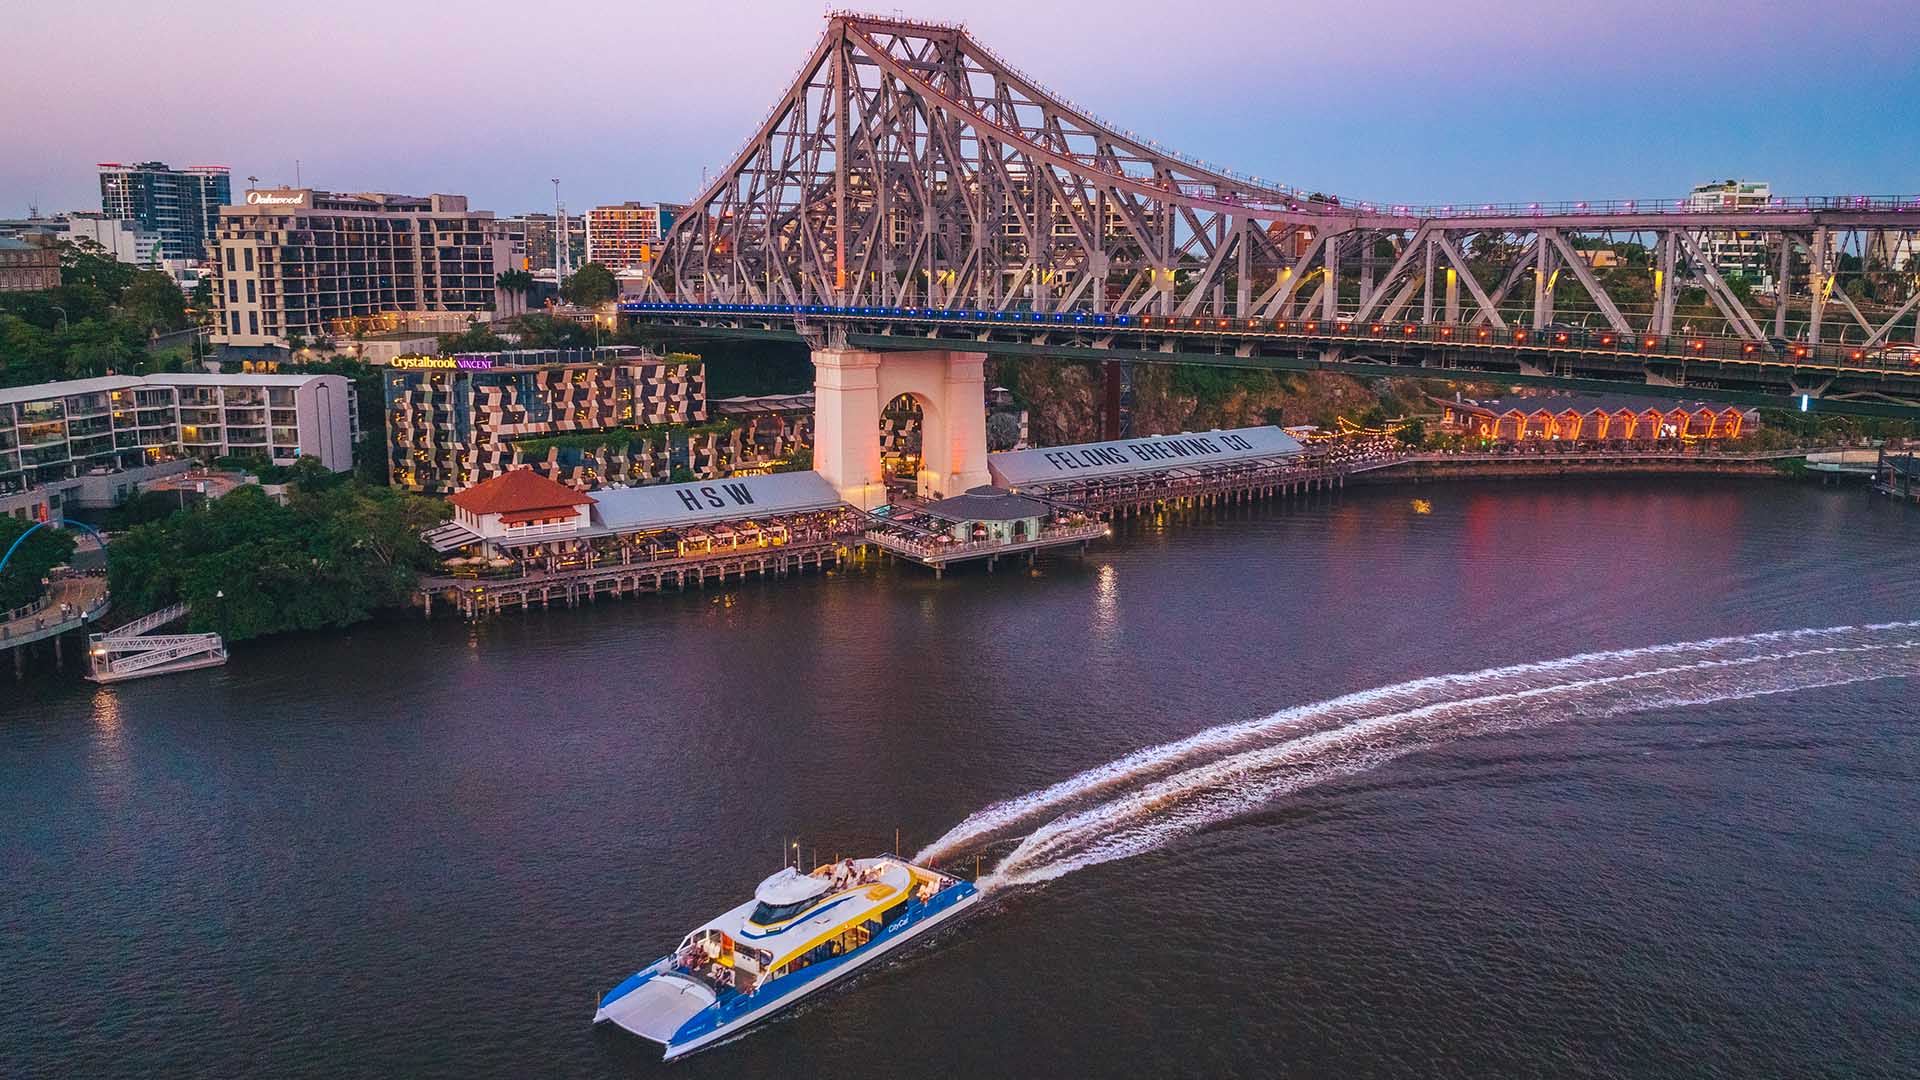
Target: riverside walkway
69, 604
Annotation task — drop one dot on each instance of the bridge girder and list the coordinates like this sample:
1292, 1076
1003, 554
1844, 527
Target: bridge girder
908, 166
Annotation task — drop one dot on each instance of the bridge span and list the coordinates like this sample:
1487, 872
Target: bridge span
913, 192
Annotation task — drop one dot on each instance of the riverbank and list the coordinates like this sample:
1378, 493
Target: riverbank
1419, 468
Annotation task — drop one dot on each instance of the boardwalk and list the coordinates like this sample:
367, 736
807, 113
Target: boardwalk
474, 597
71, 603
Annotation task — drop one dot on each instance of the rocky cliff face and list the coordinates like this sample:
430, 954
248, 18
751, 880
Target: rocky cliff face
1064, 398
1169, 399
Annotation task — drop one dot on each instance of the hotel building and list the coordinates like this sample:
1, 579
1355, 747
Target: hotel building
1734, 253
104, 437
454, 421
312, 263
625, 236
181, 205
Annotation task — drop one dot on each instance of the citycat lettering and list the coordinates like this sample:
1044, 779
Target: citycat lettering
268, 198
702, 498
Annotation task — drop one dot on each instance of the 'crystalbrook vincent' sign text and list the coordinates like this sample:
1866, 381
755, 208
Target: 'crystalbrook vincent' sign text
1184, 446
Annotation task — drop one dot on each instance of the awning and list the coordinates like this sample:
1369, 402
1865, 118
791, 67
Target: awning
445, 538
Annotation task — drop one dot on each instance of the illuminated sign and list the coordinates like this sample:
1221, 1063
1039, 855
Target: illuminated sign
268, 198
448, 363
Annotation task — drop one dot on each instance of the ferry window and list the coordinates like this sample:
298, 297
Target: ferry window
766, 913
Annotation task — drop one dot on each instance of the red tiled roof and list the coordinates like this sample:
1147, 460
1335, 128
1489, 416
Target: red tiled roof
519, 491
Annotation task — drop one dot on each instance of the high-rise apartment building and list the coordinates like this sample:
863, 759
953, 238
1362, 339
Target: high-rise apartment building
626, 236
181, 205
535, 233
313, 263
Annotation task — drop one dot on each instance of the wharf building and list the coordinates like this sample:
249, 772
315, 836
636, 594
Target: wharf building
182, 206
457, 421
521, 539
624, 237
1123, 477
310, 263
1596, 420
92, 442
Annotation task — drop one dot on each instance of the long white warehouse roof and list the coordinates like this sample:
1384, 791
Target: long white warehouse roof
679, 506
1131, 457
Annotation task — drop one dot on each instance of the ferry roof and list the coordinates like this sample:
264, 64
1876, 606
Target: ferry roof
1132, 457
677, 506
824, 919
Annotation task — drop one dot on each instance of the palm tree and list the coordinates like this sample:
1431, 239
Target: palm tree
515, 283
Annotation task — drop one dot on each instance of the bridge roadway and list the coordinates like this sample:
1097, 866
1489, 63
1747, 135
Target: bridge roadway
1878, 381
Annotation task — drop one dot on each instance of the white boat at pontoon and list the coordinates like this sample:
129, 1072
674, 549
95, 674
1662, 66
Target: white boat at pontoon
799, 933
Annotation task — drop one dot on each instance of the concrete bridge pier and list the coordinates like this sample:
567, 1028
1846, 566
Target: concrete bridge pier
850, 388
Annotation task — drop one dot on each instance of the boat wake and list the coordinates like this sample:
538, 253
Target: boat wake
1152, 796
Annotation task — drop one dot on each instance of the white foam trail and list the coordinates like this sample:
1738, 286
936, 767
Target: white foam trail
1307, 745
1003, 816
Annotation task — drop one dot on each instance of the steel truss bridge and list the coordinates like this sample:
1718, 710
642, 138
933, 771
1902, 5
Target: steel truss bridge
913, 190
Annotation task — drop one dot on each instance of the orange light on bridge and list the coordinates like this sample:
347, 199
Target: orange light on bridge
1409, 328
1312, 326
1223, 324
1560, 339
1376, 329
1519, 335
1858, 355
1748, 348
1606, 339
1651, 342
1699, 345
1281, 325
1800, 351
1148, 321
1485, 333
1343, 328
1252, 323
1446, 331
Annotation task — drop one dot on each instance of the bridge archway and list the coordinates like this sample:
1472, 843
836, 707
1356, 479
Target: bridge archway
851, 386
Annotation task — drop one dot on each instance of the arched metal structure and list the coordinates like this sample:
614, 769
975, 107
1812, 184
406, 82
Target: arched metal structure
909, 176
49, 524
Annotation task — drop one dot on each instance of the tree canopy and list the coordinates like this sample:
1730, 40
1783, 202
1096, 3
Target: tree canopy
590, 286
338, 551
44, 550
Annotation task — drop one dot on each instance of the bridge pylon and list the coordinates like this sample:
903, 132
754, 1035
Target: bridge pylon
851, 387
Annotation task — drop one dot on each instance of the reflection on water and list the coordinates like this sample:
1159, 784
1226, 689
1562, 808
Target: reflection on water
1426, 836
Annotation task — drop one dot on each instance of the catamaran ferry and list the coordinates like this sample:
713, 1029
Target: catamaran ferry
799, 933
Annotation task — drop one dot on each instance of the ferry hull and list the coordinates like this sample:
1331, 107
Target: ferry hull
717, 1023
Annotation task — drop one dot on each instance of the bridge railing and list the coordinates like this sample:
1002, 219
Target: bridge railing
1902, 204
1884, 356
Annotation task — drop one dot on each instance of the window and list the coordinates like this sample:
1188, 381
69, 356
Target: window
253, 322
233, 322
250, 292
248, 252
229, 260
233, 291
765, 914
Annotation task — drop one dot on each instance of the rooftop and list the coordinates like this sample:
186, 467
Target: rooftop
677, 506
986, 503
1131, 457
71, 388
1586, 403
517, 492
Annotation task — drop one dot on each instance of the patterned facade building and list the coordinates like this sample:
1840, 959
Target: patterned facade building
455, 421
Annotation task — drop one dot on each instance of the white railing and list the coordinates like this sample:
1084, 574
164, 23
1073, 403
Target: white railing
149, 622
528, 532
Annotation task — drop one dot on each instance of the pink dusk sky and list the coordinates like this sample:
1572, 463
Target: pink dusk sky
1381, 99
